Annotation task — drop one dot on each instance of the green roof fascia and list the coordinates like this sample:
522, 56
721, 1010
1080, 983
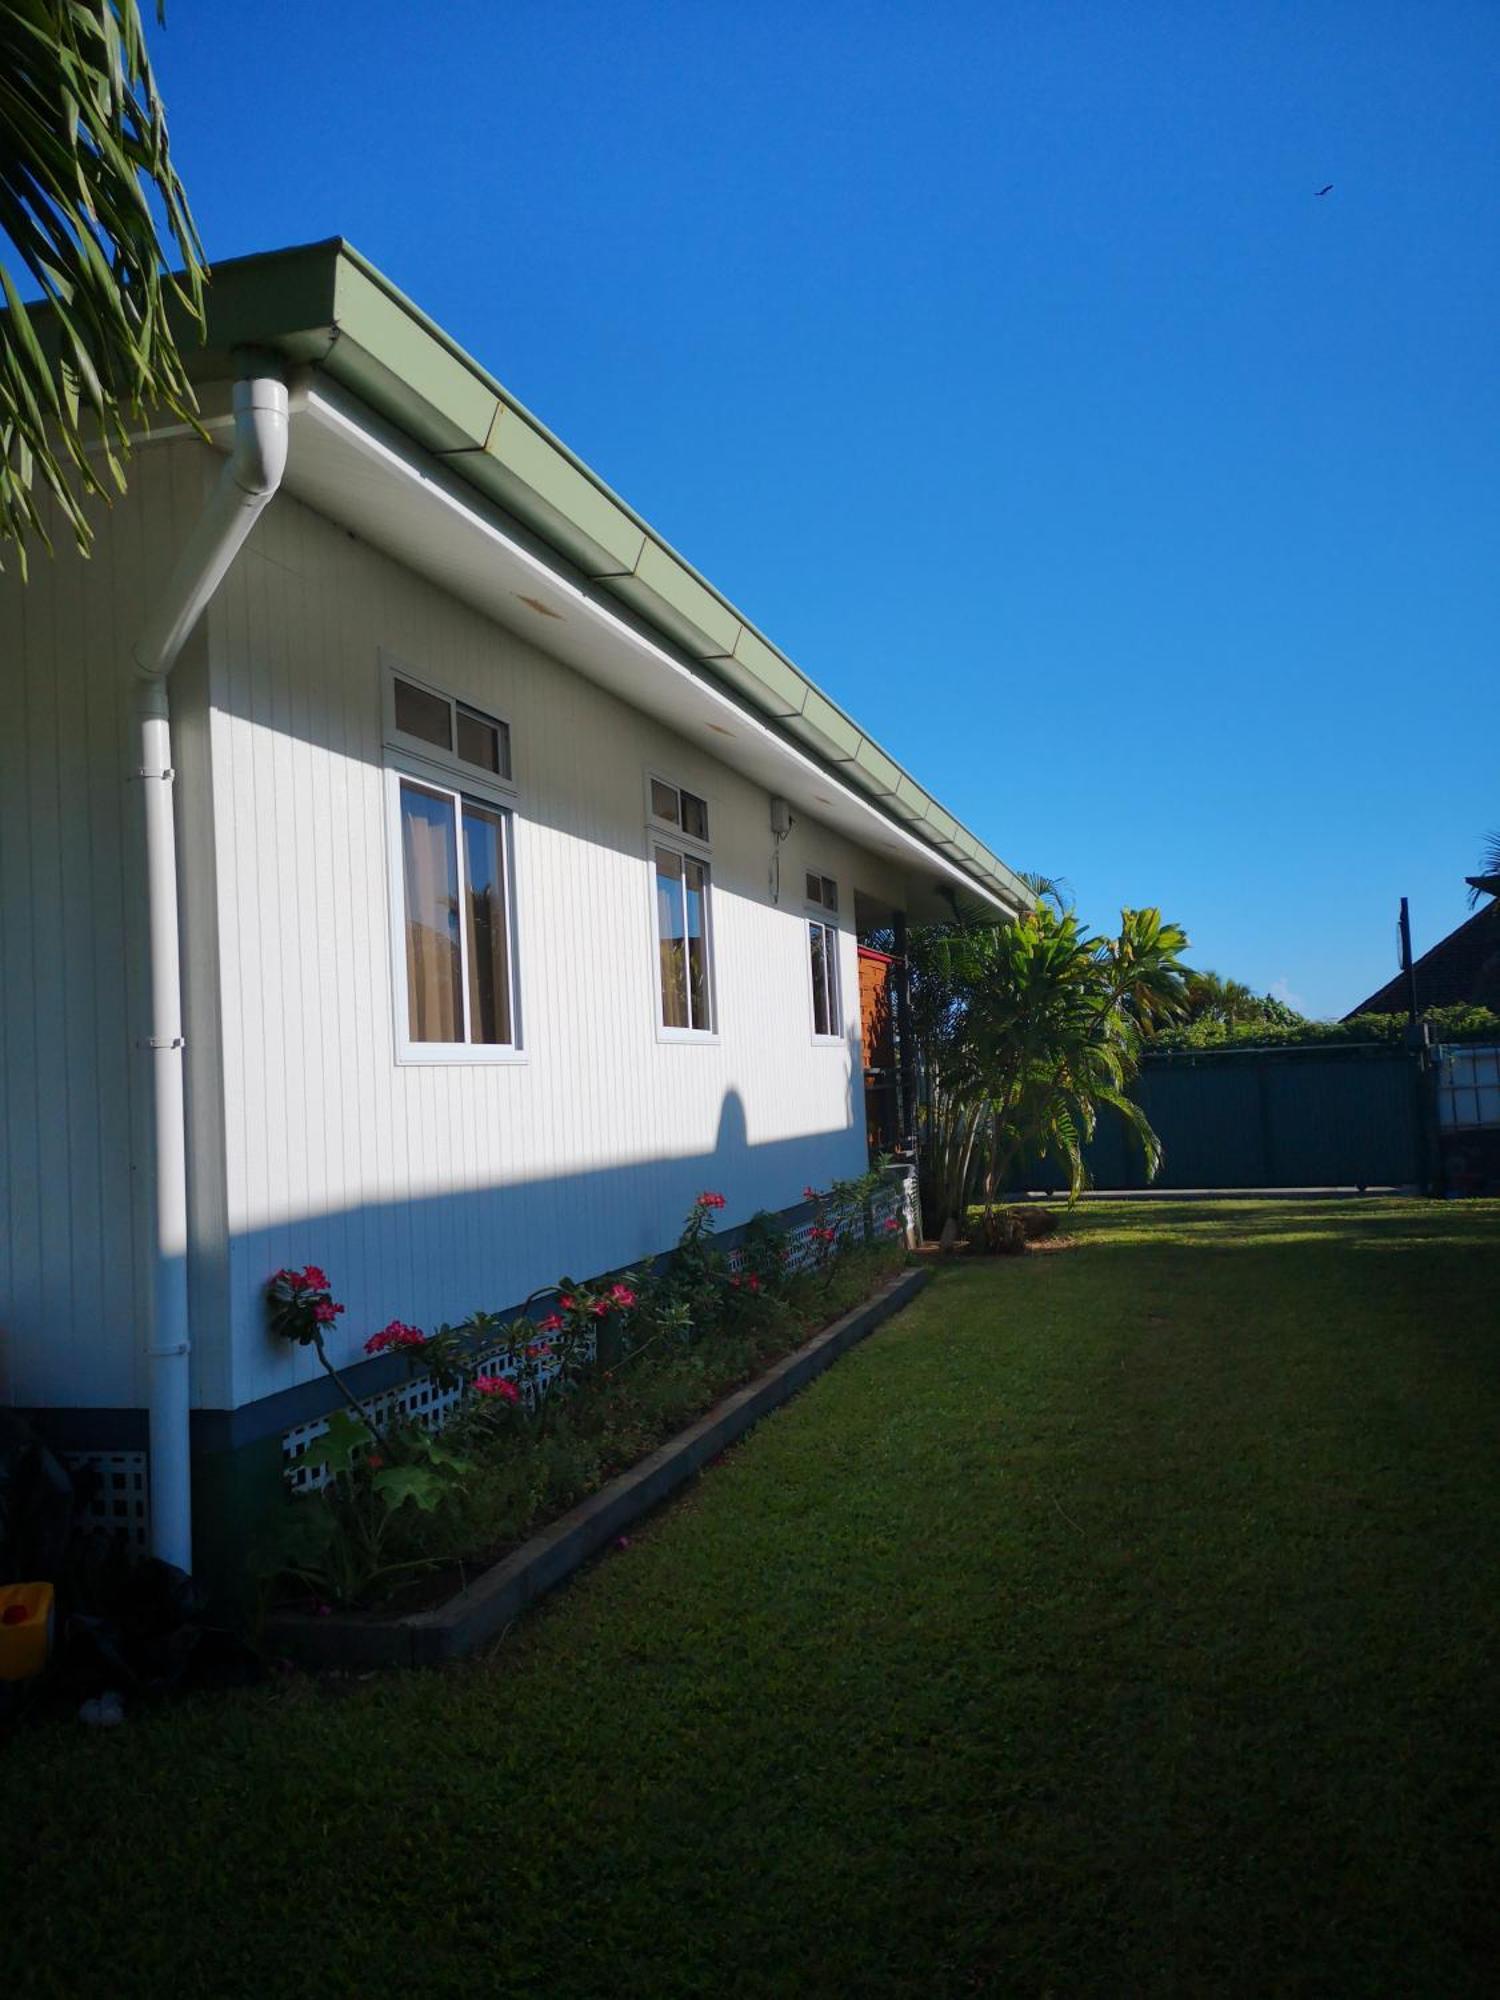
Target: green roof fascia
325, 303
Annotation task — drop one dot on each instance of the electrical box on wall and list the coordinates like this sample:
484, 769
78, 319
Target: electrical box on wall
781, 818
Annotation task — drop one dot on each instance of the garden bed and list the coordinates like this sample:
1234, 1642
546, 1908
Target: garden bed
477, 1611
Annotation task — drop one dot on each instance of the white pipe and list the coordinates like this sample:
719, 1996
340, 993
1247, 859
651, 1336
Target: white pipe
250, 477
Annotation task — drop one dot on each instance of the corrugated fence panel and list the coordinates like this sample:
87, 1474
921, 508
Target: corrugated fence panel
1293, 1119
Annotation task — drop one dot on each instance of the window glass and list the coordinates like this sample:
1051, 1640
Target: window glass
488, 932
817, 947
695, 876
694, 816
424, 715
430, 872
663, 802
814, 889
671, 930
483, 742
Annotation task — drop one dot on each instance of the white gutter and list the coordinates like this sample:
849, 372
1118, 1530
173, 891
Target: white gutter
250, 477
395, 454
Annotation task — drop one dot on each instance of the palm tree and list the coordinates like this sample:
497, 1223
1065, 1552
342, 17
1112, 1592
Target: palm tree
1487, 881
83, 152
1024, 1030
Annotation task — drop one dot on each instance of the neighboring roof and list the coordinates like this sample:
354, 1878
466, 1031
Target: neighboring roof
324, 304
1462, 969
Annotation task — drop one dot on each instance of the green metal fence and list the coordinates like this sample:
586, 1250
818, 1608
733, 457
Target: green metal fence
1342, 1116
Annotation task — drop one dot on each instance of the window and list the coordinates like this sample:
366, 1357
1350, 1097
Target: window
425, 720
823, 960
680, 882
681, 809
452, 874
455, 918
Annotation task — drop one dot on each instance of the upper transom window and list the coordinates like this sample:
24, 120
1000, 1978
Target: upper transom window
427, 720
674, 806
823, 891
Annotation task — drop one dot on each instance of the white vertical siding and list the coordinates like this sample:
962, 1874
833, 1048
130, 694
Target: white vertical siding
72, 1287
429, 1190
425, 1190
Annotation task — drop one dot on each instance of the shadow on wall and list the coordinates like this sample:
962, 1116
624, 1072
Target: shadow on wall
440, 1257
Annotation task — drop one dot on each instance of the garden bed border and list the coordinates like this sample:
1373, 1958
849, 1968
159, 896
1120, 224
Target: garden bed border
481, 1611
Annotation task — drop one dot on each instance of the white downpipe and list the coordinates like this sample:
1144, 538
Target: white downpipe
250, 477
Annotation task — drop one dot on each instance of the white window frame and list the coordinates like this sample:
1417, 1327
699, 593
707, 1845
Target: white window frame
425, 764
666, 833
827, 921
394, 669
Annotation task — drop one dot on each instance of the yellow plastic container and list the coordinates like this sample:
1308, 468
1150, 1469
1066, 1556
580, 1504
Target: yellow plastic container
25, 1629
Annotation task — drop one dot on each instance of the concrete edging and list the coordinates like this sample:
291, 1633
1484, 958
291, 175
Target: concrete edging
490, 1603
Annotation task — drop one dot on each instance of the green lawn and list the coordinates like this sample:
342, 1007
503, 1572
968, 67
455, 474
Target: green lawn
1121, 1621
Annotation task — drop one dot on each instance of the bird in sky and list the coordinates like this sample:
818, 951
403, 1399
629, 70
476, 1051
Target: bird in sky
1324, 190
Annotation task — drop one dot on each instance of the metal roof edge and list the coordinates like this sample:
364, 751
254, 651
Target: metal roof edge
453, 405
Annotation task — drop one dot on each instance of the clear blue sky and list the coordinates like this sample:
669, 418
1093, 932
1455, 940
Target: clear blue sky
1001, 362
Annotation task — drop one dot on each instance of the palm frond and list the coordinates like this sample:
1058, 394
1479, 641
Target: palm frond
83, 155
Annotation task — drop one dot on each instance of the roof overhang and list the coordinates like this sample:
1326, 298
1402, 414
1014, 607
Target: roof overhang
363, 473
378, 359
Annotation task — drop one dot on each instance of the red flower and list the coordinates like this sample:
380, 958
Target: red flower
314, 1280
498, 1387
810, 1194
891, 1225
622, 1297
566, 1302
325, 1312
598, 1307
707, 1200
540, 1352
553, 1323
397, 1334
374, 1461
753, 1282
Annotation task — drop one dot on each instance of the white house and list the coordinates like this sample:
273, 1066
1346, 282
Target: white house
513, 896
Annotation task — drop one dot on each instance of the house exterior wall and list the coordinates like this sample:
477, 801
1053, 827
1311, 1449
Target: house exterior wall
73, 1094
426, 1190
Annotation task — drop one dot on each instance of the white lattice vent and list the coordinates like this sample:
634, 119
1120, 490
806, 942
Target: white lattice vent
116, 1495
419, 1401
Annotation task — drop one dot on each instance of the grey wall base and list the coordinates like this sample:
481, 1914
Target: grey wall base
482, 1611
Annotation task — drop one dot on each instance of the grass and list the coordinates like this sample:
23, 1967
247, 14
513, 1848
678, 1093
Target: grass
1120, 1621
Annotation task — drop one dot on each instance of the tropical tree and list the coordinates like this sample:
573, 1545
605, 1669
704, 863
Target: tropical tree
1023, 1031
83, 156
1230, 1003
1487, 881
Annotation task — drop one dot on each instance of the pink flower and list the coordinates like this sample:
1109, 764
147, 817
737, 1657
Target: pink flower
891, 1225
397, 1334
325, 1312
566, 1302
314, 1280
598, 1307
753, 1282
707, 1200
553, 1323
621, 1297
498, 1387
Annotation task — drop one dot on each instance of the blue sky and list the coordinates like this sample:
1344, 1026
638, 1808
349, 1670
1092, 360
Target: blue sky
1002, 364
